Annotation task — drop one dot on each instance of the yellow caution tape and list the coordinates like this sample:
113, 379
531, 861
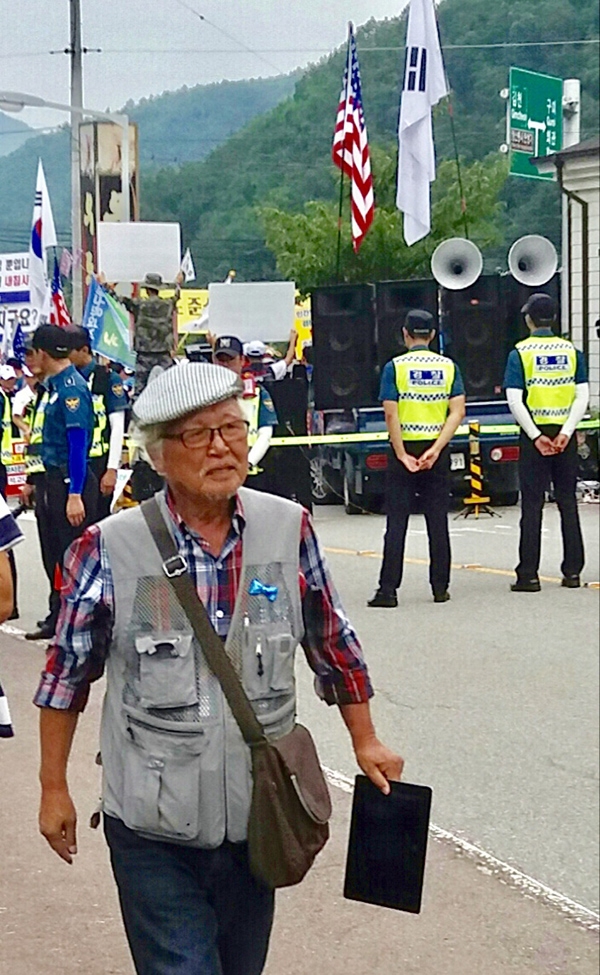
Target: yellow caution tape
382, 436
506, 429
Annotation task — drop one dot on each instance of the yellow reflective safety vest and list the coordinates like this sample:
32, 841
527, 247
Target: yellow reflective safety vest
549, 367
6, 451
98, 386
33, 459
424, 382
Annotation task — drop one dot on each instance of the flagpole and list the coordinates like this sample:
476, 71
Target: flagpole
339, 235
463, 201
341, 203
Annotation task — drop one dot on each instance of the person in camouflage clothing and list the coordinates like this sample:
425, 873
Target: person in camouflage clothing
153, 335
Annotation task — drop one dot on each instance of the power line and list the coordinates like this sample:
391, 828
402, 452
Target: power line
230, 37
258, 52
325, 50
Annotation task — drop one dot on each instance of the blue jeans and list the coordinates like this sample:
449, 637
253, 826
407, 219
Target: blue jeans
189, 911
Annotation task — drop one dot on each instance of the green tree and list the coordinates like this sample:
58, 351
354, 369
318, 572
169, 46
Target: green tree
305, 243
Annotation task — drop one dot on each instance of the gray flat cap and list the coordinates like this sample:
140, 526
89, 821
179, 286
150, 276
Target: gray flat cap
183, 389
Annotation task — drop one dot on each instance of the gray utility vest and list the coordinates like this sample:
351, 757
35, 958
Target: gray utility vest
176, 767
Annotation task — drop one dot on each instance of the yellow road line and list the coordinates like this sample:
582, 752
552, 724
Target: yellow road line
471, 567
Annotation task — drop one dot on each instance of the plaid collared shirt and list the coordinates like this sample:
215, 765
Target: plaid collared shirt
77, 655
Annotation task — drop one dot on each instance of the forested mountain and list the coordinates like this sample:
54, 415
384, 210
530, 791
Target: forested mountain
13, 133
213, 182
174, 127
282, 158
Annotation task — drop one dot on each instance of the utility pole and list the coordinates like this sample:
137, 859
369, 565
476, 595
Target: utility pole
76, 55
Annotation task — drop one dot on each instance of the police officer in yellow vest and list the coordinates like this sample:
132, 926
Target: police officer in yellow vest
6, 439
257, 405
548, 393
423, 397
110, 403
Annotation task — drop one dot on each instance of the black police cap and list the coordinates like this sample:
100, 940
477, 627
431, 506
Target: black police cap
540, 307
419, 322
53, 340
79, 337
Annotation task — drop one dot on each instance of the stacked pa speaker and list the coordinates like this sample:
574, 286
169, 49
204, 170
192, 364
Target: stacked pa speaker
344, 346
481, 314
358, 328
394, 299
475, 335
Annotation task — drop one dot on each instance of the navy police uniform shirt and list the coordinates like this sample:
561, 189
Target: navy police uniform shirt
116, 397
69, 405
267, 415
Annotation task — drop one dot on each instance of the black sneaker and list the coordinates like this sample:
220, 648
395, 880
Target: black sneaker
383, 600
441, 597
44, 632
571, 582
526, 585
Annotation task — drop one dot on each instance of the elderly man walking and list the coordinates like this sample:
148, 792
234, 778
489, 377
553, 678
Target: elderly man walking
177, 775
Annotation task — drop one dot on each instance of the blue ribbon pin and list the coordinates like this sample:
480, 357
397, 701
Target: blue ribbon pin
258, 589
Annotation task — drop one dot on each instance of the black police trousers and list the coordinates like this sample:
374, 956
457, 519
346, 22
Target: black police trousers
536, 474
98, 467
43, 519
10, 554
432, 489
60, 533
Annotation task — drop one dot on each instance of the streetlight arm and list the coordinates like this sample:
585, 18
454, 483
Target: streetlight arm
19, 100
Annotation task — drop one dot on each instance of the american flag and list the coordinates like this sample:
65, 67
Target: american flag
59, 313
350, 151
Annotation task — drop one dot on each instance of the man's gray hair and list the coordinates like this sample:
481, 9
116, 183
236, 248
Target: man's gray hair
149, 436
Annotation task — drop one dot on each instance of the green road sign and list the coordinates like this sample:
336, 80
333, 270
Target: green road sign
534, 120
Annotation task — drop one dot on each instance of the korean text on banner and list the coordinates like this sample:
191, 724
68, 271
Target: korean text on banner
108, 324
424, 85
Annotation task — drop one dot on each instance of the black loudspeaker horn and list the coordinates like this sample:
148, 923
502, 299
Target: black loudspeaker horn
474, 325
343, 325
394, 300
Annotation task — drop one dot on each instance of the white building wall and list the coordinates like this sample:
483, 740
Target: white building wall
582, 176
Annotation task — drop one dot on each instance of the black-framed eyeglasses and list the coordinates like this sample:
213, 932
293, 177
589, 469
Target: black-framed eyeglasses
230, 433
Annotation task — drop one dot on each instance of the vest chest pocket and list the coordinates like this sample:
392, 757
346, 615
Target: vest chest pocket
162, 771
268, 662
167, 671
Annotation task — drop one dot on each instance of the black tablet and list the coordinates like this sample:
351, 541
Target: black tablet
388, 845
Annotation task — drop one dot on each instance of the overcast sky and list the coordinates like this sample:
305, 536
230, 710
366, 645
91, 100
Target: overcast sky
151, 46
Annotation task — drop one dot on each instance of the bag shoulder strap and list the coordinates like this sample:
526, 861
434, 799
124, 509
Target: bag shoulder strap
177, 573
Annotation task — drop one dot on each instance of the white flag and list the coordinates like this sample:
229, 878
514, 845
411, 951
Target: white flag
187, 266
424, 85
43, 235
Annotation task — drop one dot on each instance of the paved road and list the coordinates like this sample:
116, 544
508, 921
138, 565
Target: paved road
492, 699
55, 918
